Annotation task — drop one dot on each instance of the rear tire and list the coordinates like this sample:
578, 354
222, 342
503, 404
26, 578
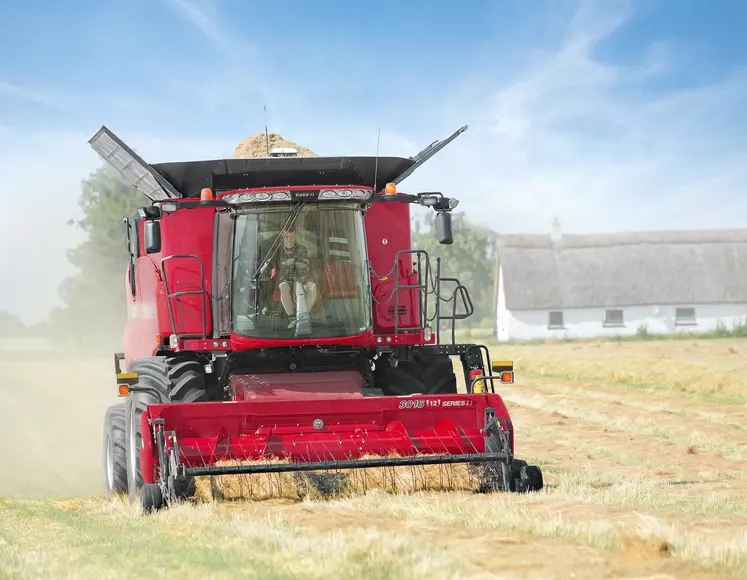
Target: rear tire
175, 379
115, 450
425, 374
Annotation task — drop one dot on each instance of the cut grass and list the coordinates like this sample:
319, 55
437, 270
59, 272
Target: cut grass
598, 503
86, 539
713, 370
653, 388
721, 492
673, 406
558, 514
636, 426
294, 486
588, 485
99, 539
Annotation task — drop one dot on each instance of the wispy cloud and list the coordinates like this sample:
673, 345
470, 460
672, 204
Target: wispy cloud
209, 26
237, 55
56, 99
594, 142
26, 94
554, 130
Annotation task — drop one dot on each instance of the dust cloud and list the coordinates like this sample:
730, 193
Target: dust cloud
53, 399
52, 405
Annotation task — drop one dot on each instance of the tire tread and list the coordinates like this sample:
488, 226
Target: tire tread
177, 379
425, 374
115, 425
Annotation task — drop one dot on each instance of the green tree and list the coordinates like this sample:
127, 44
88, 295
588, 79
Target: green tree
94, 298
470, 259
11, 325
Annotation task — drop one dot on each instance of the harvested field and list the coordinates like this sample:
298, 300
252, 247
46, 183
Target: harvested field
643, 445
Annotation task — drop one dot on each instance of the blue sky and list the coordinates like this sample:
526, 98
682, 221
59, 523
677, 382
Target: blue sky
610, 115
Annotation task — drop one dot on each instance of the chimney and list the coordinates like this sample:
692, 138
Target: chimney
556, 235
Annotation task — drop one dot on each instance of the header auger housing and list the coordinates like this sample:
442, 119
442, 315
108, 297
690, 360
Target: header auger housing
279, 320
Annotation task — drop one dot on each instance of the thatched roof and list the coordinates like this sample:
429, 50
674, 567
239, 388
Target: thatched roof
644, 268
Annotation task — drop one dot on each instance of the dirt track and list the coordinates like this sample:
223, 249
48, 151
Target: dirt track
645, 479
51, 413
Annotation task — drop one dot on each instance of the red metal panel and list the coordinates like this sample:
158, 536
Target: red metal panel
318, 385
150, 287
351, 428
188, 232
387, 232
140, 336
131, 334
238, 342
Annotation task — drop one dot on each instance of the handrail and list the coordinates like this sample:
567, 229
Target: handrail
469, 308
423, 286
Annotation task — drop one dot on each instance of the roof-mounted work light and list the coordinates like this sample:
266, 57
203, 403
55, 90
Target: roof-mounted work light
311, 195
437, 201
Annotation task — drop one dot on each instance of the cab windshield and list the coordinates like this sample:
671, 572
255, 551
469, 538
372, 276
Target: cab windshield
300, 273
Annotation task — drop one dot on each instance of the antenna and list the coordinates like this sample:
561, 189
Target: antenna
376, 167
267, 136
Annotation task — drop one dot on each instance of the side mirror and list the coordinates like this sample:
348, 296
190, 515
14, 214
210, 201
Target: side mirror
443, 228
152, 237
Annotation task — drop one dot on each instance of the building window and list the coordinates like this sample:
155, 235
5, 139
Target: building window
613, 318
555, 320
685, 316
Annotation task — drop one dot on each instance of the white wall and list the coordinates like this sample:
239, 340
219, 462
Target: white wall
589, 322
504, 318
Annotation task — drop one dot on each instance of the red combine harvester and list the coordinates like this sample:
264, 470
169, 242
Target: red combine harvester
280, 321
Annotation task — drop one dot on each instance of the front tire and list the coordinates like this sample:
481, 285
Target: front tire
115, 450
176, 379
424, 375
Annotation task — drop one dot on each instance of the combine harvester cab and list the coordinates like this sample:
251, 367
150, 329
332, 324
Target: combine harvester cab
279, 321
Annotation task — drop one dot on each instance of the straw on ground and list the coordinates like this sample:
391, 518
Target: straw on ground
642, 445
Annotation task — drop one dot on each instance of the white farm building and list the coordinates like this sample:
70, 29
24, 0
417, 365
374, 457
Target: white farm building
578, 286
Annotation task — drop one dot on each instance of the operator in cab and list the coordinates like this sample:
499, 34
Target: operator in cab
292, 267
